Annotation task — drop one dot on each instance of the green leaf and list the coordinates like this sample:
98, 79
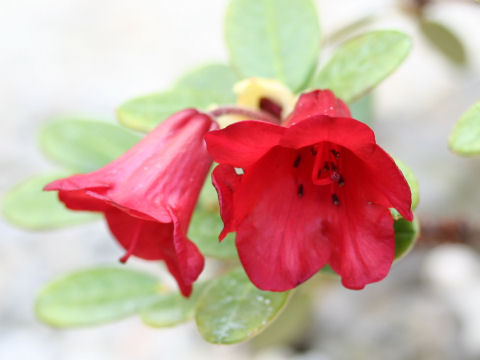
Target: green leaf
232, 309
274, 39
412, 181
406, 233
204, 230
173, 308
361, 63
96, 296
85, 145
208, 85
28, 206
465, 137
444, 41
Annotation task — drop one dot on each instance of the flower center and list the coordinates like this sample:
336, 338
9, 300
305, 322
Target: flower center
322, 163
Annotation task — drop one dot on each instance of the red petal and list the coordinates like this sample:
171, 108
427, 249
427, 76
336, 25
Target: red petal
345, 132
158, 241
382, 175
364, 244
315, 103
225, 180
280, 229
243, 143
361, 228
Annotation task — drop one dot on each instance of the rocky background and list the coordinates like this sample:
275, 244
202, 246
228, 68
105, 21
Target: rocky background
86, 57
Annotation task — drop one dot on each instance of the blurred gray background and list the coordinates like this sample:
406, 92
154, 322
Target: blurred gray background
87, 57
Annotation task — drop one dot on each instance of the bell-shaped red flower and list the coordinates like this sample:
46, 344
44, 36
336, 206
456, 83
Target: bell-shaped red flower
149, 193
315, 192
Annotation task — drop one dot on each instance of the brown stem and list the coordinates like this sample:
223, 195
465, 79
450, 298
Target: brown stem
434, 232
249, 113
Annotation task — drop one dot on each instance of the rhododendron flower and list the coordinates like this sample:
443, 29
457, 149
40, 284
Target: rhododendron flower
149, 193
315, 192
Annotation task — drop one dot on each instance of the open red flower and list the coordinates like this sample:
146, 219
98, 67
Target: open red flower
315, 192
149, 193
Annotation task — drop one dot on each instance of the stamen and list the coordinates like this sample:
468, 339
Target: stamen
133, 244
297, 161
335, 153
314, 152
326, 167
341, 182
300, 190
335, 200
334, 168
319, 173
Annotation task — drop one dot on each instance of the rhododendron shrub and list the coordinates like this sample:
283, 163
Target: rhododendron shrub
302, 188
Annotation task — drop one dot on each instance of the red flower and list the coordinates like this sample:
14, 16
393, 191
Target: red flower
149, 193
312, 193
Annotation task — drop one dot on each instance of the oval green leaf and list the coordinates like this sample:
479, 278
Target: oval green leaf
172, 309
361, 63
204, 230
201, 88
406, 233
232, 309
274, 39
84, 145
465, 137
96, 296
444, 41
28, 206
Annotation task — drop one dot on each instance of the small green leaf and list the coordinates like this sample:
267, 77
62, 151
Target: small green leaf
208, 85
173, 308
28, 206
406, 233
444, 41
361, 63
412, 181
85, 145
274, 39
465, 137
232, 309
96, 296
204, 230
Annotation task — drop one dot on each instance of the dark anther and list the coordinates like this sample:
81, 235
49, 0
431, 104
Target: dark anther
297, 161
300, 190
334, 168
341, 181
335, 176
326, 167
335, 200
319, 173
335, 153
314, 152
